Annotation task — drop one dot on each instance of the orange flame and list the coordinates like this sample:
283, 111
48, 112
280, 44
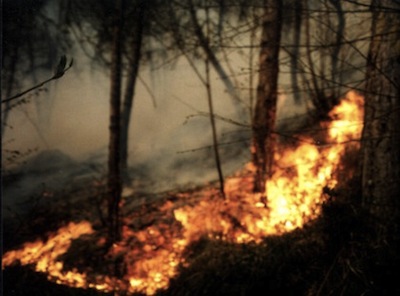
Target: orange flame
43, 255
151, 256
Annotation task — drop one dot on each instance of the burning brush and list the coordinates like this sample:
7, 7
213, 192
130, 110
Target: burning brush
150, 255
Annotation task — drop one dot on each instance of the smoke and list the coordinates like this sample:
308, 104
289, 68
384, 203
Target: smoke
170, 133
169, 139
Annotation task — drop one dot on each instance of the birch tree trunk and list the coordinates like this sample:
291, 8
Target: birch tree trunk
381, 134
265, 109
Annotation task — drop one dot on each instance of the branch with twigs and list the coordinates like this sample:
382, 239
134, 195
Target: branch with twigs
59, 72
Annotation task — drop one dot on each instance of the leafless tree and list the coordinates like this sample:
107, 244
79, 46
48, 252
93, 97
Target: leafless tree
265, 109
134, 61
381, 134
114, 165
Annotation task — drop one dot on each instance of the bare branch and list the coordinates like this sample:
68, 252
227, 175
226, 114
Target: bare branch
60, 71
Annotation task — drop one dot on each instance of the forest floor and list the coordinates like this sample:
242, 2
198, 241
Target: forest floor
335, 254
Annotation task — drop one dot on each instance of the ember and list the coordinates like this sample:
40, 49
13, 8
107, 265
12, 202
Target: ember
151, 255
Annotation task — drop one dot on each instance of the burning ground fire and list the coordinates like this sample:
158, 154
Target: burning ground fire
151, 254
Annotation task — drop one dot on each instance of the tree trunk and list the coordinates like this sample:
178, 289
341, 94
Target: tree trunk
295, 52
335, 71
212, 119
114, 177
317, 93
10, 80
381, 134
129, 95
265, 111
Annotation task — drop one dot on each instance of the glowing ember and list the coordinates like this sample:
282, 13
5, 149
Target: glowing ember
151, 255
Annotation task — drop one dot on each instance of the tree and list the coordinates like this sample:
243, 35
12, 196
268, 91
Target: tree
339, 33
141, 29
265, 109
211, 109
381, 134
322, 54
295, 52
133, 69
123, 35
114, 171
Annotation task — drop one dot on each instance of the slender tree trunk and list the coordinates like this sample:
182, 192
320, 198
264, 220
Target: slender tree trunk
265, 111
251, 66
295, 54
381, 134
10, 85
214, 131
114, 173
212, 119
335, 75
317, 94
129, 95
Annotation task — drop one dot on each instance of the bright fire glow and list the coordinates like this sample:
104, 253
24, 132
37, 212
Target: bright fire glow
151, 255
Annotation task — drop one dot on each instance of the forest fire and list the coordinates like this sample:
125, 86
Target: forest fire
151, 255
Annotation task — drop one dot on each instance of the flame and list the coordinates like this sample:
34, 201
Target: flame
43, 255
151, 255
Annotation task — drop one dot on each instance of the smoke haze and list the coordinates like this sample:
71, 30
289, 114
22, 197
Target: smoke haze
168, 127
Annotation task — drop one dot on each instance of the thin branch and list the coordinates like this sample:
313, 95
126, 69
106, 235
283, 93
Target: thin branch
211, 146
149, 91
60, 71
228, 120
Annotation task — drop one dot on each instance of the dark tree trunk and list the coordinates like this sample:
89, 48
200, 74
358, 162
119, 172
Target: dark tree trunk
318, 97
335, 75
134, 63
114, 172
265, 109
212, 119
295, 53
381, 134
214, 131
10, 80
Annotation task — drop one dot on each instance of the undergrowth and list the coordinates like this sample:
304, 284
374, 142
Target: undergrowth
337, 254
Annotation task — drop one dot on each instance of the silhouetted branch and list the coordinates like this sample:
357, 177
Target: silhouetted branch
60, 71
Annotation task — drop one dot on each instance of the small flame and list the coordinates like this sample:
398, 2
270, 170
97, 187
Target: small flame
43, 255
151, 255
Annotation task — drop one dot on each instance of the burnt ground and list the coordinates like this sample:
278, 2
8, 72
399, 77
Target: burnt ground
337, 254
